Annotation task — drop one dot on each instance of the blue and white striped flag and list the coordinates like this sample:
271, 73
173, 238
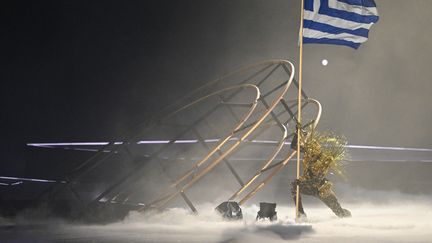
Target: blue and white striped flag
338, 22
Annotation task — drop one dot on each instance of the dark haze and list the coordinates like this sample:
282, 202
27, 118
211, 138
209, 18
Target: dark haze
88, 71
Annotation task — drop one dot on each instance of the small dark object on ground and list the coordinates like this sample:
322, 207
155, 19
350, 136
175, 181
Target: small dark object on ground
267, 210
230, 210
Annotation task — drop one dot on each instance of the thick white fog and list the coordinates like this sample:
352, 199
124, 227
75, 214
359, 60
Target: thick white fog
381, 216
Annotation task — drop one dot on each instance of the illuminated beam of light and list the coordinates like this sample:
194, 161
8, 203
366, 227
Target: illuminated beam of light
193, 141
30, 179
11, 184
389, 148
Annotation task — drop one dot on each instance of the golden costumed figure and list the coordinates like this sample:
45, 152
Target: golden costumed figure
322, 152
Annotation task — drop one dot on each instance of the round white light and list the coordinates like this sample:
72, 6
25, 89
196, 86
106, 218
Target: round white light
324, 62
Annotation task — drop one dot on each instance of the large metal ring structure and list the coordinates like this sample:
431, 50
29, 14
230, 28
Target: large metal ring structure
269, 81
269, 108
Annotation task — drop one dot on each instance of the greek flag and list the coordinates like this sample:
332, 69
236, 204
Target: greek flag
338, 22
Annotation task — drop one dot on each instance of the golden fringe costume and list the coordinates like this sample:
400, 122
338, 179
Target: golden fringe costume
321, 152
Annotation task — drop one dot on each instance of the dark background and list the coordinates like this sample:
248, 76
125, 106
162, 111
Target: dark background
76, 71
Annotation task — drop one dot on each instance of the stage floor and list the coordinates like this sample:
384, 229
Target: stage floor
401, 220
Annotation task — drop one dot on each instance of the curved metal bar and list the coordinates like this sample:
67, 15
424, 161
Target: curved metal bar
228, 137
281, 165
267, 179
264, 165
231, 149
310, 100
257, 95
240, 70
318, 117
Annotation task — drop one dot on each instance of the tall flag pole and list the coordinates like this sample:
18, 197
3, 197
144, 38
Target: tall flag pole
335, 22
299, 104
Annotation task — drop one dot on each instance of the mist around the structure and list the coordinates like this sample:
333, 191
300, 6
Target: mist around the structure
378, 216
